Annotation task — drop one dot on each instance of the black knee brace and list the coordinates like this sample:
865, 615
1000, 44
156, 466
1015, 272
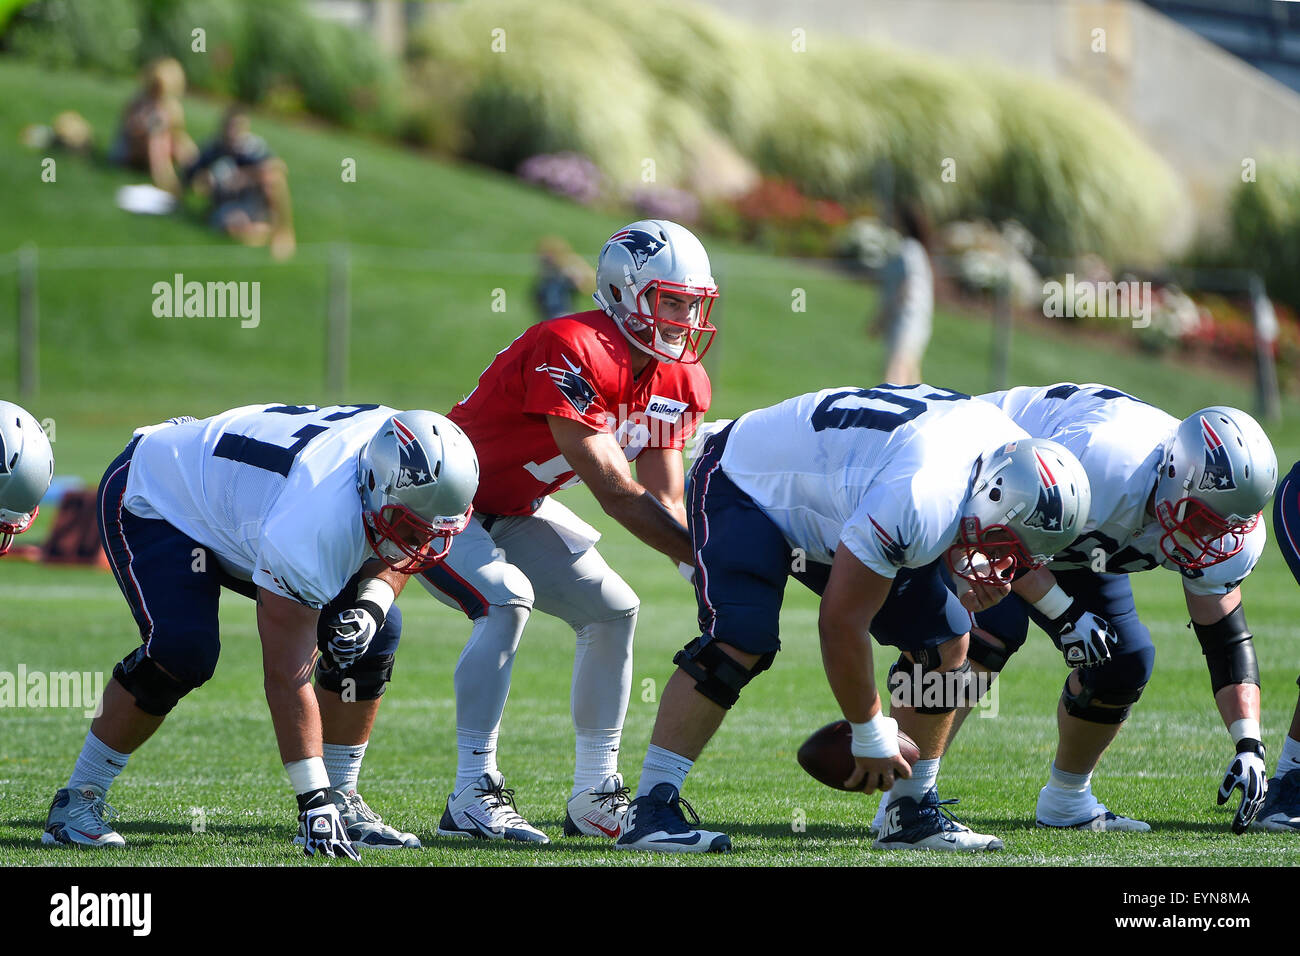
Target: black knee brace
367, 679
921, 686
155, 691
1099, 706
988, 655
1229, 651
718, 676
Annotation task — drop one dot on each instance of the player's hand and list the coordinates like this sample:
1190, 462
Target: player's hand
1086, 639
1246, 774
878, 772
323, 829
348, 636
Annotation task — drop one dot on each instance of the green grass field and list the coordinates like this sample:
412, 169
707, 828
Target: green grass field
431, 244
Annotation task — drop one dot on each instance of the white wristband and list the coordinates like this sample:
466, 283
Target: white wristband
307, 775
1245, 727
379, 591
878, 737
1054, 603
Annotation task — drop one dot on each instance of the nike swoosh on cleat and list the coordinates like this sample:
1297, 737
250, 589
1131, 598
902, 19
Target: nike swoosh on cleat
479, 753
612, 834
693, 839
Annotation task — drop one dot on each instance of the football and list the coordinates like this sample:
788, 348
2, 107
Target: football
827, 757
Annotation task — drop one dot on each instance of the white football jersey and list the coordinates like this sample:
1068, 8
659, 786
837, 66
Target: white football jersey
886, 470
1120, 441
271, 490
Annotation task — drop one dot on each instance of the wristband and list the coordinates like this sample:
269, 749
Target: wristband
374, 610
1246, 727
687, 571
379, 592
878, 737
1054, 603
307, 774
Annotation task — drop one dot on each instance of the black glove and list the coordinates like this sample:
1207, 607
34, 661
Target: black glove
1246, 774
321, 827
1084, 638
348, 635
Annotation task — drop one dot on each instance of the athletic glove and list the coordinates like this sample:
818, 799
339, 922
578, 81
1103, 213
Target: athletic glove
347, 637
322, 828
1084, 638
1246, 774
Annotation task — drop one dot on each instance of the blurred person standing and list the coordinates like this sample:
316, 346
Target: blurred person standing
248, 185
907, 299
560, 275
152, 137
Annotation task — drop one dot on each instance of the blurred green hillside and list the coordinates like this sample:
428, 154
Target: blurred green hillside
431, 243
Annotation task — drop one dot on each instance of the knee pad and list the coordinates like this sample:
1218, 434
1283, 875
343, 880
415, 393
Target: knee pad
1099, 705
921, 686
367, 679
717, 675
989, 655
155, 691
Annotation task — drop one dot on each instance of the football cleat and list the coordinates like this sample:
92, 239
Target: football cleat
76, 818
366, 829
1097, 818
1281, 810
598, 811
485, 810
655, 822
926, 825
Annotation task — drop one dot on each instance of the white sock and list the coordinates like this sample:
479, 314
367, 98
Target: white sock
925, 773
662, 766
1290, 759
1066, 794
596, 758
343, 764
98, 764
476, 754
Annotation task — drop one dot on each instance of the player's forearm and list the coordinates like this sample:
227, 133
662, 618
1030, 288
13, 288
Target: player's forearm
1034, 585
647, 518
1238, 702
850, 671
295, 717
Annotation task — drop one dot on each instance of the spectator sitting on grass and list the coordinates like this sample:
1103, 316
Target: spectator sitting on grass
248, 185
152, 137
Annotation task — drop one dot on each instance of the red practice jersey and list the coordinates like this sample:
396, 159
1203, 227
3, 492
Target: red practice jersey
577, 367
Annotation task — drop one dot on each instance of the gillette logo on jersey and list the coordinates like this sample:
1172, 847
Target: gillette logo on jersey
1048, 511
1218, 467
640, 244
413, 469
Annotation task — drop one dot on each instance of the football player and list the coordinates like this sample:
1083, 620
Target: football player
1281, 809
857, 493
283, 503
574, 399
1179, 495
26, 469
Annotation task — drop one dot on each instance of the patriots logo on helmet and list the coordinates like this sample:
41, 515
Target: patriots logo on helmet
1217, 475
571, 384
413, 468
1049, 510
642, 246
895, 551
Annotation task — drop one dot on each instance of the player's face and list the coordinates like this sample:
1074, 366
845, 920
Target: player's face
676, 313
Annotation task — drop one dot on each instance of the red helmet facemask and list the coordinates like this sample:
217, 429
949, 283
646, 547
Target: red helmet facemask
693, 331
400, 527
1196, 536
8, 530
981, 551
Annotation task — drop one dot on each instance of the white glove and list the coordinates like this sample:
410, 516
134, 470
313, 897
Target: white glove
348, 636
1086, 641
322, 827
1247, 774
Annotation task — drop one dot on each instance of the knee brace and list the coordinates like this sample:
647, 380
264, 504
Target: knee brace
1099, 706
718, 676
923, 687
367, 679
155, 691
989, 655
1229, 651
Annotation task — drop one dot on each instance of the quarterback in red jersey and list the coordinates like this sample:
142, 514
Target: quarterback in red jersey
576, 398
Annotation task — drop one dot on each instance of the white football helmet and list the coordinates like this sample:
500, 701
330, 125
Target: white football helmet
1028, 500
417, 479
26, 469
637, 265
1218, 473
